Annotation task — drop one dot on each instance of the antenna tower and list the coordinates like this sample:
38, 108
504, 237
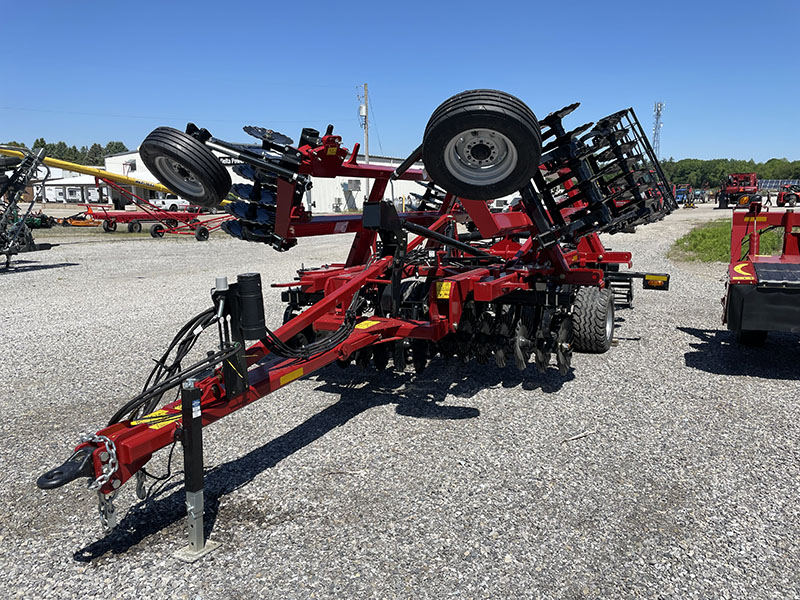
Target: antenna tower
657, 125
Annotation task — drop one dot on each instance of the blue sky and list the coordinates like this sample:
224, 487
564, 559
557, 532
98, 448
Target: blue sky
95, 71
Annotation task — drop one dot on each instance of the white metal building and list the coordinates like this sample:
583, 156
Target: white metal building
329, 195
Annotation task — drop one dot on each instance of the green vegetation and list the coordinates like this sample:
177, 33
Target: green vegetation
93, 155
709, 173
711, 242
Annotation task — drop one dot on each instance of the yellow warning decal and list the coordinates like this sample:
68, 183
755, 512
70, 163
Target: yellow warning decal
739, 270
655, 277
332, 151
366, 324
158, 419
289, 377
757, 219
443, 289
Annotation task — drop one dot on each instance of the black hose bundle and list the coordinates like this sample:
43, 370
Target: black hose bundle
279, 348
167, 374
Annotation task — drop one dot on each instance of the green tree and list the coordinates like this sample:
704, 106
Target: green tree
115, 148
60, 151
95, 155
72, 155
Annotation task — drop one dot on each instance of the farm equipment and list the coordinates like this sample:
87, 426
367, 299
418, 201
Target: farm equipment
449, 278
81, 219
789, 195
177, 222
15, 233
39, 220
739, 190
763, 292
165, 222
683, 193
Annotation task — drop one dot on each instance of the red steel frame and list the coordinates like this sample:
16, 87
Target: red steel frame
583, 265
750, 223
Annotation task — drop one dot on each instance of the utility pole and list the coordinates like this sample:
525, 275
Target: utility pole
363, 113
658, 109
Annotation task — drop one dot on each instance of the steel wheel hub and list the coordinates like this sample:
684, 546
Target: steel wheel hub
179, 177
480, 156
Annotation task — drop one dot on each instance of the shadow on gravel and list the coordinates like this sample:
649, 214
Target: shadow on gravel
441, 379
161, 510
717, 352
27, 267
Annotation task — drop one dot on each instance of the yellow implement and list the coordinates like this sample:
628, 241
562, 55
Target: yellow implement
68, 166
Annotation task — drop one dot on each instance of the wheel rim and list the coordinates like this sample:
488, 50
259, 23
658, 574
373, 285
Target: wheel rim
610, 323
179, 177
480, 156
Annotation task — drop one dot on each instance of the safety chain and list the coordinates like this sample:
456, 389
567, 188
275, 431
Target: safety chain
109, 466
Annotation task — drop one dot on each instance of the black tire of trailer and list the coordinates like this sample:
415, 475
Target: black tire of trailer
109, 226
201, 234
135, 227
186, 166
157, 230
751, 337
593, 320
462, 167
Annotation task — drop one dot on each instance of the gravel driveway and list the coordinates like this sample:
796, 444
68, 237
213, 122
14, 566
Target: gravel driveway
455, 484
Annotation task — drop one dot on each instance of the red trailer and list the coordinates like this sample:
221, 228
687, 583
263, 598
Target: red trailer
166, 222
450, 278
132, 218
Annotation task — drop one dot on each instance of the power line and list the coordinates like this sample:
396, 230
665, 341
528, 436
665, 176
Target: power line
156, 117
375, 126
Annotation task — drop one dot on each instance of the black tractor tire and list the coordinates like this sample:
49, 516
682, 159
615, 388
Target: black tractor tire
157, 230
593, 320
482, 145
201, 234
109, 226
751, 337
186, 166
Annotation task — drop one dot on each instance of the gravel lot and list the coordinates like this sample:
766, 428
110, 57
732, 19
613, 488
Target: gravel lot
454, 484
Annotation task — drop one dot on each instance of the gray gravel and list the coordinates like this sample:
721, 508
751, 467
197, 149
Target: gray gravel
455, 484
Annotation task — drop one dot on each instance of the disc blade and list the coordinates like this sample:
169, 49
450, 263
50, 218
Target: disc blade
270, 135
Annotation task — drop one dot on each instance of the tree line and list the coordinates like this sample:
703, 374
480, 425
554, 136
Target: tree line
709, 173
93, 155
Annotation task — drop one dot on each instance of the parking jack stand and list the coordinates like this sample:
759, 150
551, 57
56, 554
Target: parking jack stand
193, 467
